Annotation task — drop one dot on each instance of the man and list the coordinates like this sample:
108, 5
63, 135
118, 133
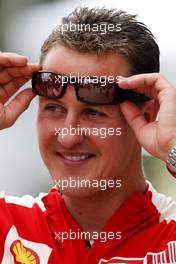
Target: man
104, 211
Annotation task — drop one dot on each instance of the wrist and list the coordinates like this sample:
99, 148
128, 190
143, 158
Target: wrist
171, 161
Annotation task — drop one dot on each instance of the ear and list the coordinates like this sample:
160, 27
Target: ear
150, 110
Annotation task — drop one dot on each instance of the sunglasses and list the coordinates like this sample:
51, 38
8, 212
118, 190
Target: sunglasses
88, 89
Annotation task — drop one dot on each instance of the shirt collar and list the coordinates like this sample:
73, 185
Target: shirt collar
134, 211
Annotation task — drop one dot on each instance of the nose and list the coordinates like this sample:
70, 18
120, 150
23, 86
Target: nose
70, 135
70, 132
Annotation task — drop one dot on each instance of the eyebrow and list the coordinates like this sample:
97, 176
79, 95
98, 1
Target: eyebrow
44, 99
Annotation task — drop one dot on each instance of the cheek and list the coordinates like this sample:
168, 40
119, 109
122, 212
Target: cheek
117, 148
46, 135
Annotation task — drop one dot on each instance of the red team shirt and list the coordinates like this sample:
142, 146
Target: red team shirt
30, 228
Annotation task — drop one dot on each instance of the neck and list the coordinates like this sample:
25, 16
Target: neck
93, 212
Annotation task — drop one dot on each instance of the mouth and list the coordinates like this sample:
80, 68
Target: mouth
75, 158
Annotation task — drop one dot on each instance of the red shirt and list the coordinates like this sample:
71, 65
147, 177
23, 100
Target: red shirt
31, 228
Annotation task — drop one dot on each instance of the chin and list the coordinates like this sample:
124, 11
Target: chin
74, 185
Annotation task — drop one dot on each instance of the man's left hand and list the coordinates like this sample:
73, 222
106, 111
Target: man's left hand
158, 137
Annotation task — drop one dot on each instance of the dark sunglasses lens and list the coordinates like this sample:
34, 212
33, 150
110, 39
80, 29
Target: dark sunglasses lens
47, 84
96, 93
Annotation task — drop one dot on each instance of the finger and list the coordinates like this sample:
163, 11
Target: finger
17, 106
134, 117
148, 84
2, 114
145, 132
8, 59
9, 73
12, 87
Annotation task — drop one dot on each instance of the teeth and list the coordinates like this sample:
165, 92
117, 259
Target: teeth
82, 157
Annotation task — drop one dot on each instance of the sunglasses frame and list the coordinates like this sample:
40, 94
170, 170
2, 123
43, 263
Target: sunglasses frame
119, 97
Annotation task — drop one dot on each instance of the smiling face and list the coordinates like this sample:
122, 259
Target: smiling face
80, 156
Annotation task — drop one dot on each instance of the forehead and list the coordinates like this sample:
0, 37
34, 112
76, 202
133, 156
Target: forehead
64, 60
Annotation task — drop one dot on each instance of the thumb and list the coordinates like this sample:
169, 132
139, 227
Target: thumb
134, 117
17, 106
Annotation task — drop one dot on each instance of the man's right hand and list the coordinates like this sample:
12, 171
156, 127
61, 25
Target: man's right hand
15, 71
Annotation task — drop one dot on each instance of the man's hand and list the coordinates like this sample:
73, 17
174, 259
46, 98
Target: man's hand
15, 71
157, 137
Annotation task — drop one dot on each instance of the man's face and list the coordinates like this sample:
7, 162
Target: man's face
89, 157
